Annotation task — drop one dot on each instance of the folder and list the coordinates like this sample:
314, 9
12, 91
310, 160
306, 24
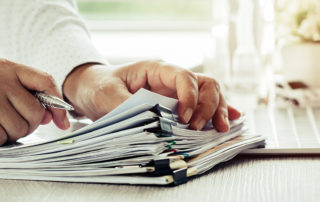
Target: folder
140, 142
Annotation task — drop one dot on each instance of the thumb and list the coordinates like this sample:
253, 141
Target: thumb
37, 80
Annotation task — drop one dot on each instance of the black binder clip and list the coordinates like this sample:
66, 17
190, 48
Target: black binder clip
180, 176
166, 125
166, 121
163, 112
162, 166
164, 129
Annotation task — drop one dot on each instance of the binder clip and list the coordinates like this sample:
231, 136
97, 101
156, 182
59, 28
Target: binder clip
166, 121
163, 112
168, 165
164, 129
180, 176
162, 166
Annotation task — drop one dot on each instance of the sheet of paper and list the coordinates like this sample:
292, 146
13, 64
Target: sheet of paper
144, 96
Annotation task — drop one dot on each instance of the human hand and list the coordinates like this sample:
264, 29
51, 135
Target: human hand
21, 113
95, 90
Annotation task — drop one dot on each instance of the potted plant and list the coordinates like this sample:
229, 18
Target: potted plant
298, 31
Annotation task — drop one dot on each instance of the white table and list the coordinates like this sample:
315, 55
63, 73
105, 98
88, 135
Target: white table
242, 179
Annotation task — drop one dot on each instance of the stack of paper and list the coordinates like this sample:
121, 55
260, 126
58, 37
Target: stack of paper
140, 142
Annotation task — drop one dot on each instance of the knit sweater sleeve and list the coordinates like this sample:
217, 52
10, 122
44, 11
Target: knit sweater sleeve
45, 34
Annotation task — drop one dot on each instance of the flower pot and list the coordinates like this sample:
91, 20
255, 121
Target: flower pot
301, 62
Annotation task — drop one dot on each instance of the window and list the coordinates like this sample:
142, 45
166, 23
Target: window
185, 32
147, 14
177, 31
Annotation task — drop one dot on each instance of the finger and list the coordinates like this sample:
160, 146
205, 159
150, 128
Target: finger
207, 104
185, 83
14, 125
167, 80
30, 108
220, 119
46, 118
187, 92
3, 136
33, 79
233, 113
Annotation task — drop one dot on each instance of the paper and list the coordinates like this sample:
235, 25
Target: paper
144, 96
124, 144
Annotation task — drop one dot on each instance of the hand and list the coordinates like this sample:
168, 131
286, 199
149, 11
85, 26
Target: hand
21, 113
95, 90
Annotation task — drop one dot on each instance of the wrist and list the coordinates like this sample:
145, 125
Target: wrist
77, 84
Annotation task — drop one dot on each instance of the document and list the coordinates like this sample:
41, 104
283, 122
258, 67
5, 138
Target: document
140, 142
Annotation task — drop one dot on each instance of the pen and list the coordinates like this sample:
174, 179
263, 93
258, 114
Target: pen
52, 101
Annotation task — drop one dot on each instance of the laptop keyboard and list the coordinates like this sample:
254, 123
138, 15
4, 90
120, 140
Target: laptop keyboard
287, 127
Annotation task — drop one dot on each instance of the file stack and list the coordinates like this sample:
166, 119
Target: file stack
140, 142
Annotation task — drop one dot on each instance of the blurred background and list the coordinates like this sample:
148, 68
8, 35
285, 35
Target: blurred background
249, 46
175, 30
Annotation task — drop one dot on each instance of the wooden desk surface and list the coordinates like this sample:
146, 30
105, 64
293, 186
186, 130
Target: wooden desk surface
242, 179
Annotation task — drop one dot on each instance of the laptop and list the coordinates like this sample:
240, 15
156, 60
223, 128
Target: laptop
288, 130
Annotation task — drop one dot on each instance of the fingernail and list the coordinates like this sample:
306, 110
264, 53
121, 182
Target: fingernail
201, 124
66, 123
187, 115
226, 120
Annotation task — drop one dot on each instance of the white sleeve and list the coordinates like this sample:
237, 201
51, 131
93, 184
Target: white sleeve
45, 34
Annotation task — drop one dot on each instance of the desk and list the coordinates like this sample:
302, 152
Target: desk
242, 179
